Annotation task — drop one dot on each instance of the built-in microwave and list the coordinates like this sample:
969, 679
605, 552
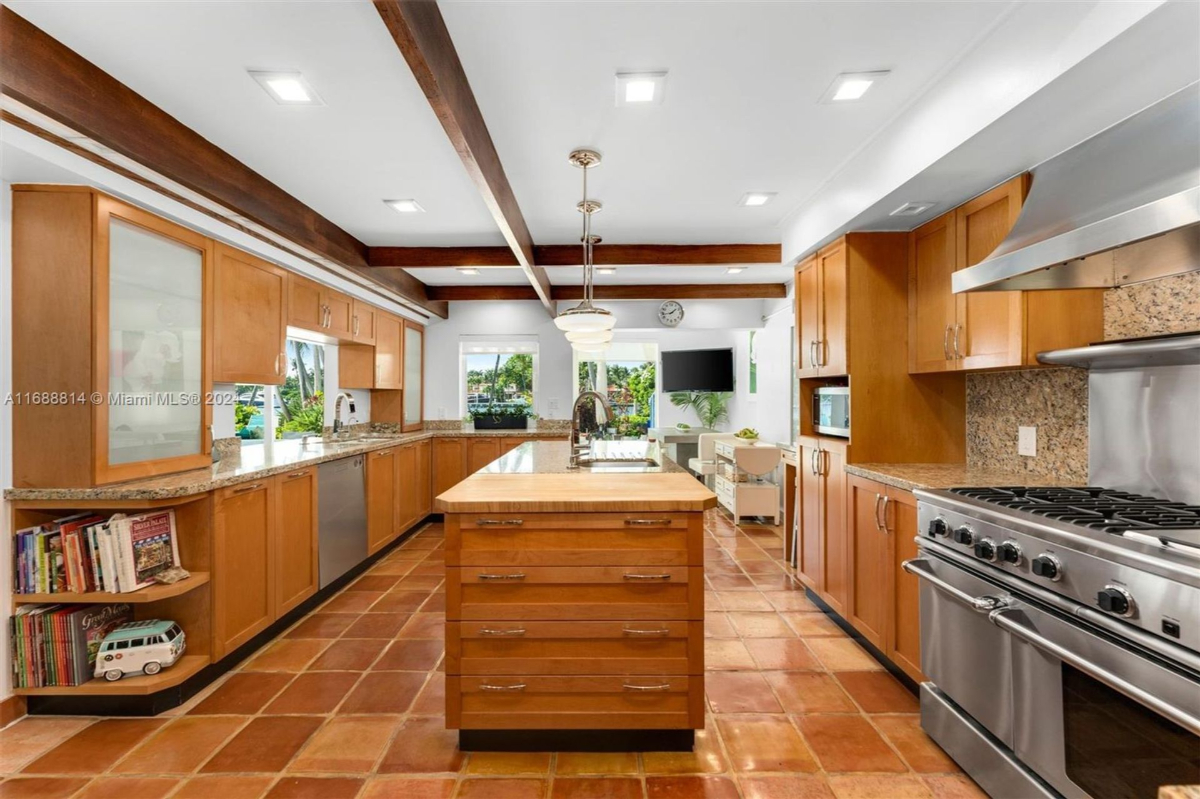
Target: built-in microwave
831, 410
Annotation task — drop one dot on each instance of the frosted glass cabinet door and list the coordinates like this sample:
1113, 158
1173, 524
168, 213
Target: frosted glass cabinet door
155, 346
414, 355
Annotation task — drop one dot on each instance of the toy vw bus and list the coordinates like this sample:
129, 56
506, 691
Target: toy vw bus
141, 646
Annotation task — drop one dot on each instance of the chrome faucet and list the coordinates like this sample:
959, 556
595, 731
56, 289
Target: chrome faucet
337, 410
601, 417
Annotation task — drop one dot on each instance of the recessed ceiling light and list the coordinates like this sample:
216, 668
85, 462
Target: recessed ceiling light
286, 88
467, 270
735, 270
405, 206
852, 85
606, 270
753, 199
641, 88
912, 209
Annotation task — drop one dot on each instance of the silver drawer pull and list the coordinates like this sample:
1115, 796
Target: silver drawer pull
244, 489
514, 576
298, 474
660, 687
979, 604
513, 632
629, 576
647, 522
499, 522
489, 687
634, 631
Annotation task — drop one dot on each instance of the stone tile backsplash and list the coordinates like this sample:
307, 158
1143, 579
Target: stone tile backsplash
1055, 400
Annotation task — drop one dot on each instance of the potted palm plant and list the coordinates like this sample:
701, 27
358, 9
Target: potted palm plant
711, 407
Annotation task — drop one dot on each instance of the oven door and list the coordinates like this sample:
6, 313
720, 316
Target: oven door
1096, 717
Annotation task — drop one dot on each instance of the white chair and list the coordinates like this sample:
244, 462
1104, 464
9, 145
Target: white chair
704, 464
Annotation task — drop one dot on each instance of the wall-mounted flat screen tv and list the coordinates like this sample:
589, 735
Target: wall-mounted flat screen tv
697, 370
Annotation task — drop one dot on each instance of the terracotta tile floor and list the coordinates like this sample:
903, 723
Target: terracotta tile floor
347, 703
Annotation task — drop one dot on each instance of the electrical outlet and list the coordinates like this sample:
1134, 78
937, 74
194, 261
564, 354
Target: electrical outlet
1027, 441
553, 404
441, 411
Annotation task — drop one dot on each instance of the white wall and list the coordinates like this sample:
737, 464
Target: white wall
707, 324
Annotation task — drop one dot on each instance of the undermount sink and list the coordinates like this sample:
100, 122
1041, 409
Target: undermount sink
614, 463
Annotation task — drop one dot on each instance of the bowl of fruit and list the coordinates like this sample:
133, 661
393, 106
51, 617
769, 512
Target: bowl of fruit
747, 434
683, 426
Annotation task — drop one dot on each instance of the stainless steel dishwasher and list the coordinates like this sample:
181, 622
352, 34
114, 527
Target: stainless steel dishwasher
342, 516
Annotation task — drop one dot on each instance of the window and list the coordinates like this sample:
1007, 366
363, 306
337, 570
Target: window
627, 375
498, 376
300, 409
249, 416
753, 363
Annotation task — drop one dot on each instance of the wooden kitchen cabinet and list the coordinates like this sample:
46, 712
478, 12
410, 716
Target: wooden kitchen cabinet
821, 312
986, 329
481, 452
91, 279
356, 367
424, 478
250, 324
869, 557
362, 322
313, 306
413, 399
822, 559
449, 463
296, 575
383, 499
389, 351
244, 574
904, 632
340, 315
408, 490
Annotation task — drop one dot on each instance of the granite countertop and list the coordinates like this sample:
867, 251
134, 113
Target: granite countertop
536, 477
946, 475
254, 462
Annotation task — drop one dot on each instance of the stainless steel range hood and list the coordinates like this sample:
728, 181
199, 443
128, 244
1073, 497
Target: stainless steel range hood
1123, 188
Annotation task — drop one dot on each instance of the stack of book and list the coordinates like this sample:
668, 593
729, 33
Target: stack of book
56, 645
84, 552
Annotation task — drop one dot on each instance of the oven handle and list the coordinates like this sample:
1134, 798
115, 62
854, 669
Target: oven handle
1135, 693
979, 604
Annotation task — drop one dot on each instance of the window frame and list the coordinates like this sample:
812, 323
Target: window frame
490, 345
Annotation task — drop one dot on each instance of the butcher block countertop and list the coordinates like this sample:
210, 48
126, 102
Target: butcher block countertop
536, 478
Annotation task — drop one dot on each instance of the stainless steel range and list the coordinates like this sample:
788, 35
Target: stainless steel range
1060, 627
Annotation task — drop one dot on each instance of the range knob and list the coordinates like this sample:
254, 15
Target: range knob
938, 527
1114, 599
1009, 552
986, 549
1047, 566
962, 535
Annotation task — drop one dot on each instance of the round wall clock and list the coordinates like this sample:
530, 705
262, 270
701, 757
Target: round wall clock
670, 313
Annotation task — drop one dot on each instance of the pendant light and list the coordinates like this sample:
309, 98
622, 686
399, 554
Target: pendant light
588, 328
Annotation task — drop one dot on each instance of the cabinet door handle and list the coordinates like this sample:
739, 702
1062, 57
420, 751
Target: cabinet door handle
250, 487
356, 324
381, 453
812, 354
812, 461
499, 522
665, 686
647, 522
957, 351
946, 343
629, 576
294, 475
635, 631
489, 687
878, 524
513, 632
886, 500
513, 576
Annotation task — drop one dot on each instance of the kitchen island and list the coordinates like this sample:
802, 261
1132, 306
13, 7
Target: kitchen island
575, 601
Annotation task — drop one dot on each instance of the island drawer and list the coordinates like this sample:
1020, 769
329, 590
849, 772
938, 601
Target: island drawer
573, 647
584, 702
550, 593
575, 539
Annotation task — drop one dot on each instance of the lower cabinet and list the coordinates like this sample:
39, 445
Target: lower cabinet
408, 478
296, 575
244, 518
383, 499
481, 452
575, 621
821, 491
881, 530
449, 463
424, 477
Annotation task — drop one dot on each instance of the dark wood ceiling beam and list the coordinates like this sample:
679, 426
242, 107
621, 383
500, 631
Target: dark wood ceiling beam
420, 32
49, 77
690, 291
569, 255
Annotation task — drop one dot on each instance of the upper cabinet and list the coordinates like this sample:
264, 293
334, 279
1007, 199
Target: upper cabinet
320, 308
986, 329
112, 311
389, 353
362, 323
250, 325
821, 309
414, 369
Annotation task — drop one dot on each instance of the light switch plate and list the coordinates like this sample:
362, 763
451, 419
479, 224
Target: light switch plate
1027, 441
553, 404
